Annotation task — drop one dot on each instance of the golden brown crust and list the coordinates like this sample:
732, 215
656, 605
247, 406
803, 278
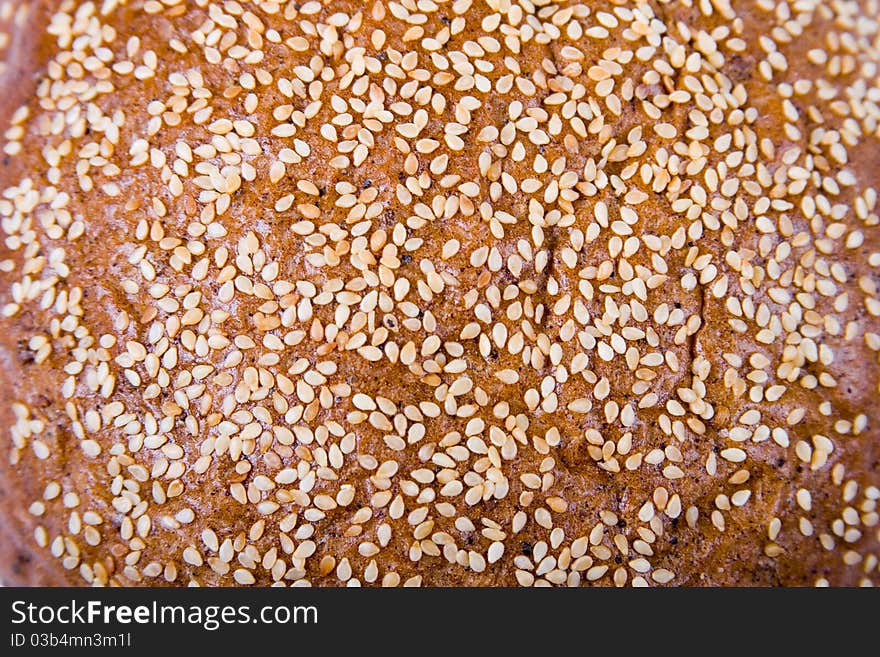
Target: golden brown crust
471, 293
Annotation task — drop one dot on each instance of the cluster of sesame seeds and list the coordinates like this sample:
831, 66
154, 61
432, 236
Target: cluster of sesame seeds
426, 292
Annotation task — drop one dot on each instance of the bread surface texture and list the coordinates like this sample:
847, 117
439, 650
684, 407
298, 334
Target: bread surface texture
439, 293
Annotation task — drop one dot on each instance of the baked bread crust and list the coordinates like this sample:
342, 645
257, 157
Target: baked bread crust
447, 293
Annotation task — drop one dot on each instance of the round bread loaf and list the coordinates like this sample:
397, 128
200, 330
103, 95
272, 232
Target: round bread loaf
440, 292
